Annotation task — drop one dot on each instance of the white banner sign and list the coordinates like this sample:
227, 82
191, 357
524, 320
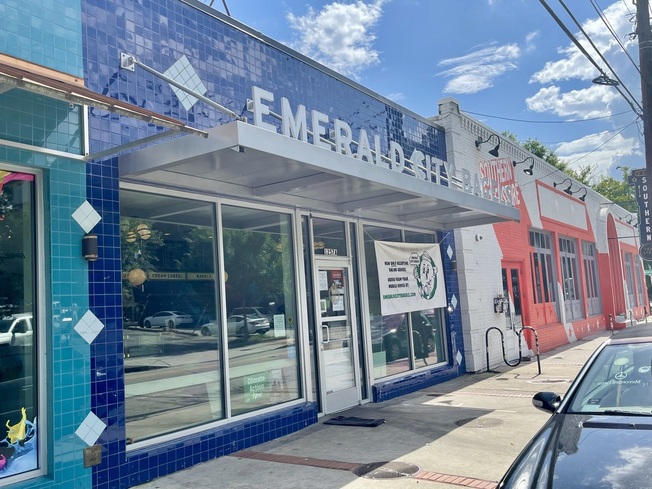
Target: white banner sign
411, 277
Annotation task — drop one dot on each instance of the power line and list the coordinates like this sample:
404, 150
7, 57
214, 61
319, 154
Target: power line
603, 143
555, 169
586, 36
613, 32
547, 122
583, 51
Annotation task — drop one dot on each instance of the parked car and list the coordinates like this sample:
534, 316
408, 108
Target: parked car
16, 330
237, 326
389, 334
167, 319
600, 433
256, 312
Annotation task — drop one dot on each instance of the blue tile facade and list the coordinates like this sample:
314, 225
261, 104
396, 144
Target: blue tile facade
38, 121
229, 62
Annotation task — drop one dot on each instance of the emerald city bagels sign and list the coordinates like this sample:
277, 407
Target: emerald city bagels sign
410, 277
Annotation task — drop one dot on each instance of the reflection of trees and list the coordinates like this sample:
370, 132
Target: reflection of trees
136, 251
12, 257
139, 251
254, 263
197, 253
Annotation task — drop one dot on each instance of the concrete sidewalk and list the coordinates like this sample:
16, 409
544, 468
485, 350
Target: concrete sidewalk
462, 433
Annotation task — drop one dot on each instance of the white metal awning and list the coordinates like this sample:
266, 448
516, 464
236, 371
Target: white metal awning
241, 160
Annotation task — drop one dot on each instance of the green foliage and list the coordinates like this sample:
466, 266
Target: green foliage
138, 252
618, 191
539, 149
254, 264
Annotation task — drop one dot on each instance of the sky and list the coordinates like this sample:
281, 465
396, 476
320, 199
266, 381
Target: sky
507, 63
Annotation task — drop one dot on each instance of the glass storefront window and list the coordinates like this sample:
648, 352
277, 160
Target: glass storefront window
173, 376
329, 237
400, 342
261, 308
18, 327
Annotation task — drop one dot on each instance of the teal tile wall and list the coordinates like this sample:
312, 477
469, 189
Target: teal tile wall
45, 32
36, 120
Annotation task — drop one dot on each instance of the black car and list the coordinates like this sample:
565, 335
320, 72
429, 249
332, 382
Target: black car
390, 334
600, 434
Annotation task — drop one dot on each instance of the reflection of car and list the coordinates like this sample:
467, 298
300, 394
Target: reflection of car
167, 319
235, 326
16, 330
255, 312
600, 434
389, 334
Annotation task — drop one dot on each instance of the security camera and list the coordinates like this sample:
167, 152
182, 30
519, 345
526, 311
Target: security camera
479, 237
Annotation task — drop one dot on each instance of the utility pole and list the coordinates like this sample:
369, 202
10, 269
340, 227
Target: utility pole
645, 62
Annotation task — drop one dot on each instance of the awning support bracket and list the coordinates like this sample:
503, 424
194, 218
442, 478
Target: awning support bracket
129, 62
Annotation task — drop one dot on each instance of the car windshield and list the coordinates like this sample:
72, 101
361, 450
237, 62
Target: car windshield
618, 381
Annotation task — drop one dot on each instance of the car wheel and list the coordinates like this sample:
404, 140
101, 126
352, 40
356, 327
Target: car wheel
148, 324
244, 332
393, 351
168, 326
205, 331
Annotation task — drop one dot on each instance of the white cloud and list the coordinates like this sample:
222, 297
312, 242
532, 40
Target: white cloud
477, 70
574, 65
586, 103
529, 40
602, 150
340, 35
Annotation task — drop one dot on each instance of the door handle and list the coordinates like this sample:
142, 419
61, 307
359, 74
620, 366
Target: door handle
327, 337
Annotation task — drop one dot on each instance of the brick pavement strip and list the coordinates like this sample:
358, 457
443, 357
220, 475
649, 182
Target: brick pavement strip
422, 475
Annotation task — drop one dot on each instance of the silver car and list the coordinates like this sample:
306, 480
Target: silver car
237, 325
167, 319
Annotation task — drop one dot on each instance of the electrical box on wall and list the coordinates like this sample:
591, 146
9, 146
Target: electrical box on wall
92, 456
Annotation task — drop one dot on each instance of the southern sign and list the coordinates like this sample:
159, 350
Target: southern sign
410, 277
638, 179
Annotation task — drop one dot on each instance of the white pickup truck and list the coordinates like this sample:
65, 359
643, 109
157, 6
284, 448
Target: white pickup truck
16, 330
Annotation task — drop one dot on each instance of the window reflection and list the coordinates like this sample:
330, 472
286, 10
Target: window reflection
18, 328
394, 348
261, 308
171, 346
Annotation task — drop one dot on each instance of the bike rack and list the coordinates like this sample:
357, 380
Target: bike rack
520, 339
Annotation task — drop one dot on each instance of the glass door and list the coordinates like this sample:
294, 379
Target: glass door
512, 290
339, 389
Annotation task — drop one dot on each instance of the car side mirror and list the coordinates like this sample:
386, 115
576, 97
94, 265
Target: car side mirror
546, 401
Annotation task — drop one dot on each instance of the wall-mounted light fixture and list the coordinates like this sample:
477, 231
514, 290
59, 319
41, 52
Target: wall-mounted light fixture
493, 152
567, 189
582, 197
89, 247
632, 220
530, 169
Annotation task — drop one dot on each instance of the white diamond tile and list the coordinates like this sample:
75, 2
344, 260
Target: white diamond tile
449, 252
89, 327
86, 216
91, 429
459, 358
454, 302
183, 73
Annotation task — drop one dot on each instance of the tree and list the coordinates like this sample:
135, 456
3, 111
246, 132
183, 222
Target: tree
539, 149
618, 191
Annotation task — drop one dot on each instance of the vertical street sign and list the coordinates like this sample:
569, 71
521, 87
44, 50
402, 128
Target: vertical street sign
638, 179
